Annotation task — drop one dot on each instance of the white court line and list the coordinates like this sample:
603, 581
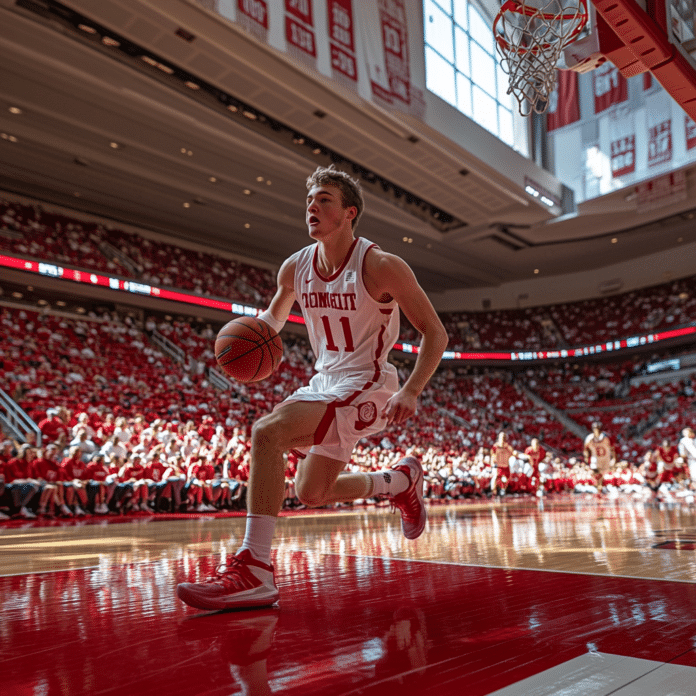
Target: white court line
497, 567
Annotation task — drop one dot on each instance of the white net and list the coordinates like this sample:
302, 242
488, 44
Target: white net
530, 36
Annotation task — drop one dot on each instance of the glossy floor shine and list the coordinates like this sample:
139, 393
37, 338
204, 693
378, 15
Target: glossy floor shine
572, 597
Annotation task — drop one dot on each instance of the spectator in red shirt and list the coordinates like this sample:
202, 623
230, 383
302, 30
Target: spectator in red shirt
18, 482
204, 472
98, 487
46, 470
76, 478
52, 427
157, 484
133, 474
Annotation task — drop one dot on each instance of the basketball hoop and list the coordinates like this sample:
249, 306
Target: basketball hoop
530, 36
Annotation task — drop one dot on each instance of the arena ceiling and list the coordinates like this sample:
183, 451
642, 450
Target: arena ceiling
91, 128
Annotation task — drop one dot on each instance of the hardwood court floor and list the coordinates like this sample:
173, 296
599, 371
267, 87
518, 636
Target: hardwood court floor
572, 596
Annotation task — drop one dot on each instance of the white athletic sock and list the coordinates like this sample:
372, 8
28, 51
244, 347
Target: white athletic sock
388, 482
258, 536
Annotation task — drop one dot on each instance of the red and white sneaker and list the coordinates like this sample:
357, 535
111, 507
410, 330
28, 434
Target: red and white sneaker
410, 502
243, 582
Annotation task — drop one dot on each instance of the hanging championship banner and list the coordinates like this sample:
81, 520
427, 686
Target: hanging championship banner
622, 132
344, 65
387, 53
660, 143
623, 156
690, 128
253, 16
564, 101
658, 116
609, 86
299, 29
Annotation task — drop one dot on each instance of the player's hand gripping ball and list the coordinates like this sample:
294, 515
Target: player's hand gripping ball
248, 350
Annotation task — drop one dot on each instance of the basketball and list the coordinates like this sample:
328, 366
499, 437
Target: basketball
247, 349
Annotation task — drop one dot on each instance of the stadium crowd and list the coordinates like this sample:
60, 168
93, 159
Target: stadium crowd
119, 435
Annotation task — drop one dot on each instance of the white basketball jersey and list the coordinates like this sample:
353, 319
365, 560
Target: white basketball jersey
348, 329
599, 449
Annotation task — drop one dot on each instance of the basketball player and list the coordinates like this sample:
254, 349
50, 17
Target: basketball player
651, 473
501, 454
671, 469
350, 293
599, 454
535, 454
687, 450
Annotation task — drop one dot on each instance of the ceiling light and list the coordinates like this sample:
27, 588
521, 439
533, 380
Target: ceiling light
247, 192
187, 204
268, 182
298, 140
17, 295
115, 145
212, 179
247, 225
259, 178
191, 85
250, 115
60, 303
108, 41
80, 310
15, 110
614, 240
536, 270
232, 108
87, 28
42, 302
316, 151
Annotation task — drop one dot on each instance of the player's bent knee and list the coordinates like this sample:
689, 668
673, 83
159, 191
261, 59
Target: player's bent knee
308, 496
267, 433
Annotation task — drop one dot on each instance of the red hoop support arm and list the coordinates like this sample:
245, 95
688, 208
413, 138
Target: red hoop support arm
651, 49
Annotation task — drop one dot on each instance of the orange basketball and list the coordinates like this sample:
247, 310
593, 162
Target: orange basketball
247, 349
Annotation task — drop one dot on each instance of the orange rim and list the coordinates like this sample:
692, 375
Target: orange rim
515, 7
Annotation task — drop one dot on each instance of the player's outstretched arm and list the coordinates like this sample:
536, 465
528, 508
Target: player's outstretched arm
279, 310
388, 276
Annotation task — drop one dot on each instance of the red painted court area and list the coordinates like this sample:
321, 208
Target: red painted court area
345, 625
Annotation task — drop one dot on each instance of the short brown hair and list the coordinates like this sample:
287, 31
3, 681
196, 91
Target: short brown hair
351, 193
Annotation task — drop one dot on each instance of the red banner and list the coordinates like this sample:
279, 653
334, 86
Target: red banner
299, 28
564, 106
623, 156
392, 18
660, 143
609, 86
690, 128
253, 16
341, 38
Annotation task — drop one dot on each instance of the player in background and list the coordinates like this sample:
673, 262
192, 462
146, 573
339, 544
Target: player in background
350, 293
687, 450
501, 454
651, 473
535, 454
599, 454
668, 456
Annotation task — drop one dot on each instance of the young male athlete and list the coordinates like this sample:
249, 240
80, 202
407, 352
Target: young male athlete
599, 454
350, 293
